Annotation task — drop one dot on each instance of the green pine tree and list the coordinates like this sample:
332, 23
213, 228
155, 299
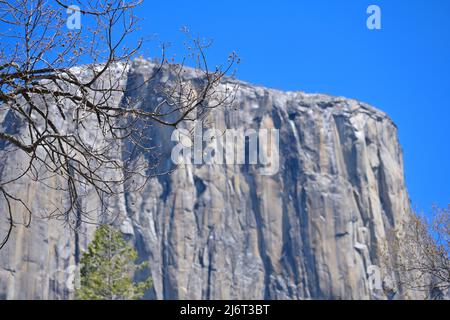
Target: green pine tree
107, 269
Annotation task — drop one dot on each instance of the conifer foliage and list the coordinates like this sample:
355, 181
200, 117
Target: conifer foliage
108, 267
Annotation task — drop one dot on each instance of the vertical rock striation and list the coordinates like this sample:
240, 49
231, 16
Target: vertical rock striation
314, 230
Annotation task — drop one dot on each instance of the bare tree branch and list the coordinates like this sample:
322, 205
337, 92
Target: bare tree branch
67, 109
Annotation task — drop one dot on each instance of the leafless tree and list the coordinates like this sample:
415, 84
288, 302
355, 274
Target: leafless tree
421, 247
64, 105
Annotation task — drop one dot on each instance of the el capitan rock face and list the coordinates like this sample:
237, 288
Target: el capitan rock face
313, 230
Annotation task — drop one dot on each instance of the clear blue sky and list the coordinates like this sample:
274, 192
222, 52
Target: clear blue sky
324, 46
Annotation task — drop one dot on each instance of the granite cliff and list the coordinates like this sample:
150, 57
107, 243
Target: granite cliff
314, 230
